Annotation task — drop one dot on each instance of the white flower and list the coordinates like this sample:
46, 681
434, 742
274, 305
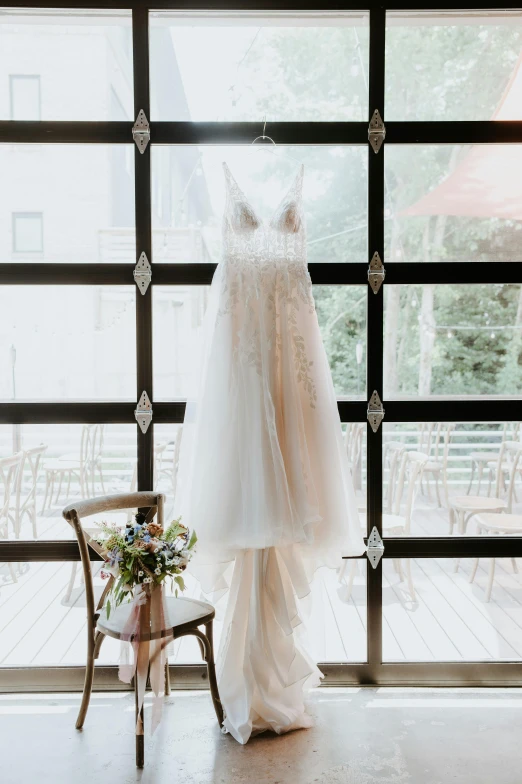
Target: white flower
147, 580
157, 571
140, 574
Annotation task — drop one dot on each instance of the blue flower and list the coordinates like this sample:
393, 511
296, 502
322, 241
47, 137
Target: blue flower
146, 538
114, 557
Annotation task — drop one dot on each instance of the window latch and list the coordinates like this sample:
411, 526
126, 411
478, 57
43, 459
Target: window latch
376, 273
375, 548
143, 273
143, 412
141, 131
375, 411
376, 131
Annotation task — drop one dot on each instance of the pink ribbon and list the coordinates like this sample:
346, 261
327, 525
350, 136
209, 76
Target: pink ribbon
145, 624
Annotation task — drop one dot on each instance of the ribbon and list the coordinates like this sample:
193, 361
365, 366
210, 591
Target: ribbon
143, 630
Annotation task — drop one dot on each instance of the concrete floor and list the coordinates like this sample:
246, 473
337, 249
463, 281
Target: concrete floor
361, 736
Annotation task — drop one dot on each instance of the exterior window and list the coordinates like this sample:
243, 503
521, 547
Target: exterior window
27, 232
25, 97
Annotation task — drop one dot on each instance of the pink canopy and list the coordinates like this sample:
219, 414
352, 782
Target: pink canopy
487, 183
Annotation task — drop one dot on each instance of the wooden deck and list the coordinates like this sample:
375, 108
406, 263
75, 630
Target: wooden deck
450, 621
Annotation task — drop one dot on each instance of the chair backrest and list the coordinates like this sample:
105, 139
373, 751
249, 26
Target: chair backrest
31, 458
392, 455
9, 472
408, 483
74, 514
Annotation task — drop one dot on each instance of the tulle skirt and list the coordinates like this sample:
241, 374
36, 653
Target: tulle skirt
264, 481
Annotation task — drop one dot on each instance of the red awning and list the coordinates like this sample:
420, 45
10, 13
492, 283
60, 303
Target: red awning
487, 183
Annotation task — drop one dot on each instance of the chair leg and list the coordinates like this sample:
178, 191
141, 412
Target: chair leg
514, 565
72, 578
167, 677
140, 739
451, 520
211, 669
474, 570
472, 476
87, 687
490, 580
12, 572
410, 580
439, 502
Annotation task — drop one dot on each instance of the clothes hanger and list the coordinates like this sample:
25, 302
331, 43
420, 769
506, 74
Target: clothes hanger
266, 141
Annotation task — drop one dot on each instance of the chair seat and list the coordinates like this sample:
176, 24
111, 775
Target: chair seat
502, 523
62, 465
483, 457
476, 503
432, 465
182, 614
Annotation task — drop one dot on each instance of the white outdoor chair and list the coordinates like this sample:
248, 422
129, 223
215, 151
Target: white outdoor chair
437, 466
464, 507
26, 492
398, 522
501, 524
9, 471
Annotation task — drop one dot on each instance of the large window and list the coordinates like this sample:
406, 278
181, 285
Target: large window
440, 341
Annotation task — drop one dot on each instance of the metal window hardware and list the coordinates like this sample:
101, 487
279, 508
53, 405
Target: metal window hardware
143, 412
375, 411
141, 131
376, 273
143, 273
375, 548
376, 131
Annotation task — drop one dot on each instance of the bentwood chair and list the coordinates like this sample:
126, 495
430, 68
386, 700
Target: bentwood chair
184, 616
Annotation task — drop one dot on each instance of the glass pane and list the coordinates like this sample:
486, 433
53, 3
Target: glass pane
452, 617
25, 97
83, 194
452, 340
43, 615
337, 621
188, 197
177, 330
178, 318
282, 66
460, 478
83, 60
67, 342
45, 467
457, 203
453, 66
341, 311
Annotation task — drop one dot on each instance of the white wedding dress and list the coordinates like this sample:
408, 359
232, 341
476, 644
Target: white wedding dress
264, 478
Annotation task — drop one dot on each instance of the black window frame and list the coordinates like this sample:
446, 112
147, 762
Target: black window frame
374, 670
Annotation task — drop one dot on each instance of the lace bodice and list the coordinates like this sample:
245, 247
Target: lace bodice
247, 238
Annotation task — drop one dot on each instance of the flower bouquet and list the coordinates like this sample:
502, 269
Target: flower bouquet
143, 554
140, 558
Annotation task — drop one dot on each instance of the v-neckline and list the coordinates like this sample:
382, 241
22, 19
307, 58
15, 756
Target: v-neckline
262, 221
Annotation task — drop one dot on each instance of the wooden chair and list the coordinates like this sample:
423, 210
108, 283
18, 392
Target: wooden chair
398, 521
27, 506
185, 616
9, 472
436, 466
464, 507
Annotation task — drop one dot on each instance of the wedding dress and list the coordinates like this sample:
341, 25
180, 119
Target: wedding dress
264, 478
